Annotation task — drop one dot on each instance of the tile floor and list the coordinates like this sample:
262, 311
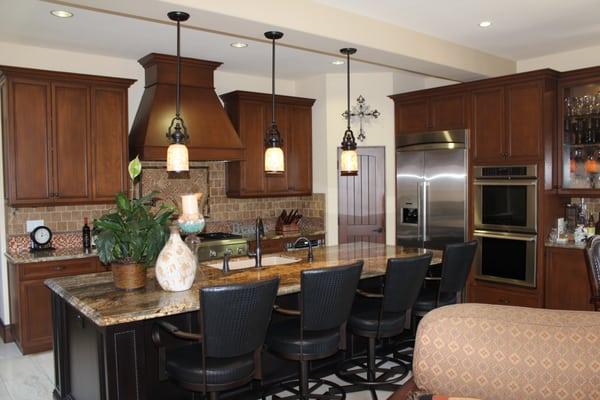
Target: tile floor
32, 377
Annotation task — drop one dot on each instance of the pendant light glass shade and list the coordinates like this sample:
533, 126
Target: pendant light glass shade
274, 157
178, 158
349, 156
177, 153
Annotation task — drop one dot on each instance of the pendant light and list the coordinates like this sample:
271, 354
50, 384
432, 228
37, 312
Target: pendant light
349, 157
274, 159
177, 153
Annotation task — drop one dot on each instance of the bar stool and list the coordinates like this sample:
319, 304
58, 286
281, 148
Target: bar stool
226, 354
380, 316
456, 265
592, 252
319, 329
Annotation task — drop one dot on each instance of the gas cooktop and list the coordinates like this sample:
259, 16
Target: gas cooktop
218, 236
216, 244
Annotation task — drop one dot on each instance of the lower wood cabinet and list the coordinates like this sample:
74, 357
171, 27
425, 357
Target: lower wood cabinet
567, 281
502, 295
279, 244
30, 303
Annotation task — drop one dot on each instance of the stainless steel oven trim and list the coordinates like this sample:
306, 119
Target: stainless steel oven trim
531, 172
530, 226
530, 274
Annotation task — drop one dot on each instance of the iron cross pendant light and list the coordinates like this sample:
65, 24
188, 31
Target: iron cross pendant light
349, 156
274, 158
177, 153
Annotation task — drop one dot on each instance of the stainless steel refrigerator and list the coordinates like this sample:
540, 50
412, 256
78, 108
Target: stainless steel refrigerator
431, 188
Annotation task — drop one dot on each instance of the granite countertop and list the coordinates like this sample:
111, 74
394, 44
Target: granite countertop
272, 235
25, 257
568, 245
95, 296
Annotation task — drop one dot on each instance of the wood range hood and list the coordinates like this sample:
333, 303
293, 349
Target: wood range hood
212, 135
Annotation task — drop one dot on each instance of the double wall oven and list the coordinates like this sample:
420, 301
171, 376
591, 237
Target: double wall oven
506, 224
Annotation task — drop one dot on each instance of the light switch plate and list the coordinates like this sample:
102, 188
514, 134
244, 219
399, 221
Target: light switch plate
34, 223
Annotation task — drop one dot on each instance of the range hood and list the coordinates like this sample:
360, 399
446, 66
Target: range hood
212, 136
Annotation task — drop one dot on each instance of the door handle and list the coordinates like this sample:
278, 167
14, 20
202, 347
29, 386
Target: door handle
378, 230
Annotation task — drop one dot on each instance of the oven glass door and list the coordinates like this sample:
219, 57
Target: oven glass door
506, 257
506, 205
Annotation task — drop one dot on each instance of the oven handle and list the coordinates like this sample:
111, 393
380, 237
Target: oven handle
508, 182
506, 235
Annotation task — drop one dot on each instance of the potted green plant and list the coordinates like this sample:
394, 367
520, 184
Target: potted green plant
130, 237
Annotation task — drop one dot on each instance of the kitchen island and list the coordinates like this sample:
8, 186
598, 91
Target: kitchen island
103, 347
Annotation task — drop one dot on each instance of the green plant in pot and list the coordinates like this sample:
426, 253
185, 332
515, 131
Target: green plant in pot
130, 237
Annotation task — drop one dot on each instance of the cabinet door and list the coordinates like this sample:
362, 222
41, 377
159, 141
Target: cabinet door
502, 296
488, 125
278, 183
448, 112
109, 143
36, 317
567, 282
253, 118
524, 119
412, 116
299, 139
29, 141
71, 126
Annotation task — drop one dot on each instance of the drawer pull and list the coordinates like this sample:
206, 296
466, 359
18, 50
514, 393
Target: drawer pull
59, 267
504, 301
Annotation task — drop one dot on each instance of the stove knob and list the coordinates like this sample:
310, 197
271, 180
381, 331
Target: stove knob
212, 253
240, 250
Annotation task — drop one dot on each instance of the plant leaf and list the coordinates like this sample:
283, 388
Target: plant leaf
134, 168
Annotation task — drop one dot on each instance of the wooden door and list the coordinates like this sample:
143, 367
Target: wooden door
448, 112
70, 138
361, 199
36, 316
276, 183
412, 116
299, 149
109, 142
488, 125
29, 140
524, 119
567, 282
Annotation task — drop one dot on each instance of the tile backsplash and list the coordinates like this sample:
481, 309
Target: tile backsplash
224, 214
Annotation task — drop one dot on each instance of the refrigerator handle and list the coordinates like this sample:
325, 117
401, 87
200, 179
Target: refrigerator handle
425, 208
419, 210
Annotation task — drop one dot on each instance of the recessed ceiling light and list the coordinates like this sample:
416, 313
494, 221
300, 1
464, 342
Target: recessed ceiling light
61, 13
338, 62
485, 24
239, 45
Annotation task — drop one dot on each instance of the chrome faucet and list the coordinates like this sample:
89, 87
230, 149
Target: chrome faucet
260, 230
310, 257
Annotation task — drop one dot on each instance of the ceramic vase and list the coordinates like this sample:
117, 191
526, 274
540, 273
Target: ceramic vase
176, 264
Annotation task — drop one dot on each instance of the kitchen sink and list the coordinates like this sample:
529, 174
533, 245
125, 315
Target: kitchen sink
241, 263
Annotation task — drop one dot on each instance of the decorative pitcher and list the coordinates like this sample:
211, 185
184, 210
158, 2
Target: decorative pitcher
176, 264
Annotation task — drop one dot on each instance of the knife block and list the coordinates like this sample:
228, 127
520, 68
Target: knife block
283, 229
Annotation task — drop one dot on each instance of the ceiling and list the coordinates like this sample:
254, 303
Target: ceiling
521, 28
29, 22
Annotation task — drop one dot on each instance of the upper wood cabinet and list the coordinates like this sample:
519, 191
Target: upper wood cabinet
430, 112
64, 137
489, 140
250, 114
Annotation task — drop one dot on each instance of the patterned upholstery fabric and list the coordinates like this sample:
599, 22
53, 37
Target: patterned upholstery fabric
508, 353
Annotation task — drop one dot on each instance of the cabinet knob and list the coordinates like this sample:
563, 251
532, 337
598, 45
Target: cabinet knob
59, 267
504, 301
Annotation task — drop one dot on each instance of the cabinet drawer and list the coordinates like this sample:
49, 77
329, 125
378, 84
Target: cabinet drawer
488, 295
53, 269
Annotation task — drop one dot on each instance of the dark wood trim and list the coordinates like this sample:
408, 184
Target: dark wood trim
6, 332
6, 70
266, 97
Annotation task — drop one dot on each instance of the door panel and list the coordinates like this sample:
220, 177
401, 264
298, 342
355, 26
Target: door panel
448, 112
109, 142
70, 110
29, 154
524, 106
445, 175
361, 199
409, 181
412, 116
488, 125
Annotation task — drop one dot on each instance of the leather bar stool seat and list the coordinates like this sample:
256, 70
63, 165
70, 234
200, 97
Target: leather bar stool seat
287, 340
184, 364
428, 299
366, 319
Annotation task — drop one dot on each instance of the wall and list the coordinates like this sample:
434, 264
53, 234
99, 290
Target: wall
330, 92
565, 61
